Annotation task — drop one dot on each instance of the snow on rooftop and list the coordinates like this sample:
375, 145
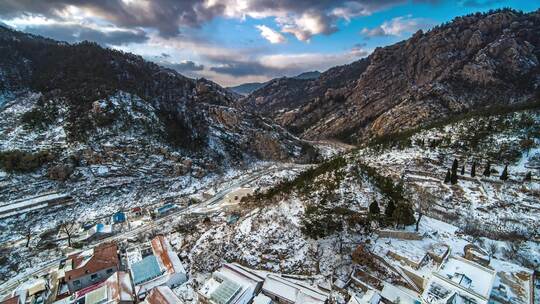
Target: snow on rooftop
292, 291
481, 278
399, 294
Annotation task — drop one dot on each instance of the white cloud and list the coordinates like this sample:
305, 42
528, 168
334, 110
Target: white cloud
307, 25
270, 34
398, 26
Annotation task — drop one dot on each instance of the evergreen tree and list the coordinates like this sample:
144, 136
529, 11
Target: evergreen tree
447, 177
528, 177
487, 171
504, 174
374, 208
453, 176
473, 169
389, 211
455, 166
463, 170
403, 215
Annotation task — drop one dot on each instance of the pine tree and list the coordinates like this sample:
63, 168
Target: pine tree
528, 177
390, 208
455, 166
473, 169
504, 174
487, 171
463, 170
374, 208
453, 176
403, 215
447, 177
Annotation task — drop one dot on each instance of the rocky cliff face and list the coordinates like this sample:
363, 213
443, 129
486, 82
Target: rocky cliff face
476, 61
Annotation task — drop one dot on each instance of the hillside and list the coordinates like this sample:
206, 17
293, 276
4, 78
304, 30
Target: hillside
311, 222
473, 62
102, 125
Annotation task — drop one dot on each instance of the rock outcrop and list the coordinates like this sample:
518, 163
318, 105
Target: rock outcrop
475, 61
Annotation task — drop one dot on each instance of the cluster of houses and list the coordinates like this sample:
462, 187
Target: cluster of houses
431, 274
423, 272
106, 274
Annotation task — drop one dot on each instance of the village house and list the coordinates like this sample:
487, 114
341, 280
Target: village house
287, 291
459, 280
155, 266
98, 232
117, 289
231, 284
162, 295
91, 266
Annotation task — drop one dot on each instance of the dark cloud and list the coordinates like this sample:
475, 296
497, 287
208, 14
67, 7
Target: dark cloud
76, 33
480, 3
185, 66
164, 15
168, 16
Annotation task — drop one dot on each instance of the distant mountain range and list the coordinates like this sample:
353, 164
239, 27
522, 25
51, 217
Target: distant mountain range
247, 88
474, 62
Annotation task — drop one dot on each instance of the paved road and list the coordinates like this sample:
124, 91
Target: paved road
202, 207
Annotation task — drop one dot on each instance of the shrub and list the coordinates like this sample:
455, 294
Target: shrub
22, 161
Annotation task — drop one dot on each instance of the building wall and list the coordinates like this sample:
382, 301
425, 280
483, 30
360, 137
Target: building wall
87, 280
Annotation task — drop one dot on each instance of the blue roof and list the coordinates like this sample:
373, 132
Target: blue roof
119, 217
100, 227
145, 269
166, 208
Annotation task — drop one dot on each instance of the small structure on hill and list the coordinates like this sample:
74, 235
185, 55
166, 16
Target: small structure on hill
475, 254
119, 217
98, 232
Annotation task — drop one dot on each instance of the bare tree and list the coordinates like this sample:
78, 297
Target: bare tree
69, 225
492, 249
425, 200
68, 228
26, 226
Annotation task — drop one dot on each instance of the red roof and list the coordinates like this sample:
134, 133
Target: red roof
105, 256
136, 209
12, 300
161, 249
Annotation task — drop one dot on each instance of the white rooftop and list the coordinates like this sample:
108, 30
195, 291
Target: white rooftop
469, 275
292, 291
460, 280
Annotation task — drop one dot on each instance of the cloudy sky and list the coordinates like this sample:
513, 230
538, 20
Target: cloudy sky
237, 41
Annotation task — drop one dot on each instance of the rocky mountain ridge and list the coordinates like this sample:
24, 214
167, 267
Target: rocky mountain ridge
475, 61
248, 88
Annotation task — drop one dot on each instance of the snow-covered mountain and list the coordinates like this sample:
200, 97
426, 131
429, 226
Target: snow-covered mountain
103, 125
